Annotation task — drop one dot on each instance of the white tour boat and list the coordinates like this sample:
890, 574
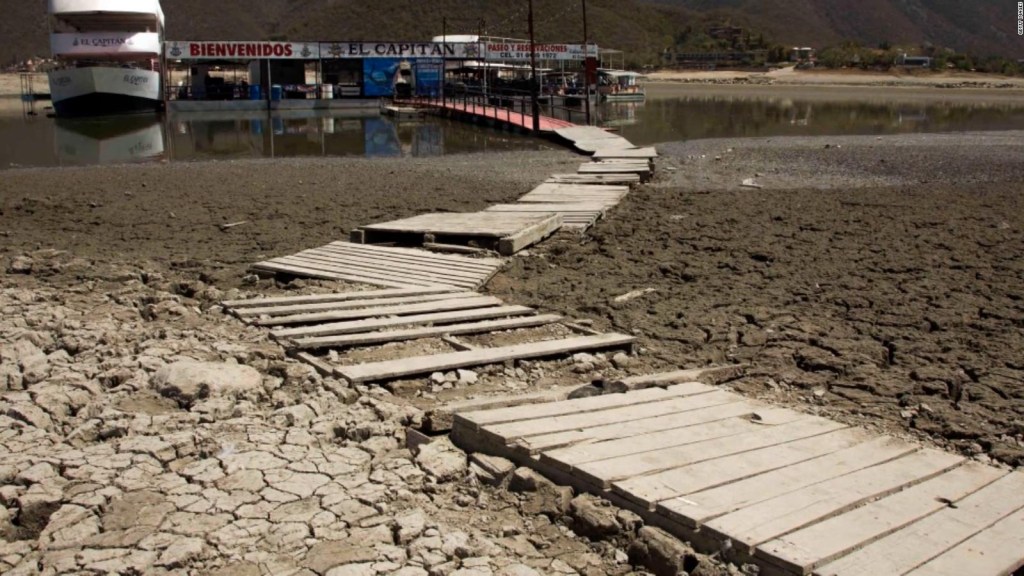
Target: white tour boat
109, 51
620, 86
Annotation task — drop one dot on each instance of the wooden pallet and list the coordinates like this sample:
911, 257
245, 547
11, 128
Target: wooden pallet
384, 266
622, 179
548, 192
578, 215
506, 234
625, 154
793, 493
642, 168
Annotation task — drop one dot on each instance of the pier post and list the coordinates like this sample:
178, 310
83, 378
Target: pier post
534, 87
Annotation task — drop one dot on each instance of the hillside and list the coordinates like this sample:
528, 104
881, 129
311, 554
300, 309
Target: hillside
640, 27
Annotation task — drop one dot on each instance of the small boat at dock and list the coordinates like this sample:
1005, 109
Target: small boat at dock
620, 85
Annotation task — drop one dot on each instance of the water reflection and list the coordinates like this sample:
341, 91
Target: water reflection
40, 141
133, 139
694, 117
184, 137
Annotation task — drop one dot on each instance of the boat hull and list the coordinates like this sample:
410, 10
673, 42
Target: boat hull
101, 91
624, 97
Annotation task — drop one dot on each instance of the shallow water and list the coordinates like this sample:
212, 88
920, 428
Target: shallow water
671, 114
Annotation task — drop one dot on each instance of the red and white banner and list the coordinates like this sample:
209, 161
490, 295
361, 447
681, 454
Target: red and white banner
242, 50
105, 44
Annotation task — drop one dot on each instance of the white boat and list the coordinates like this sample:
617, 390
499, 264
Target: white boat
620, 85
109, 52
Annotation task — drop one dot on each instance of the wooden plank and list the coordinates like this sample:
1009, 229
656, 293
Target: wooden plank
576, 133
772, 518
572, 457
441, 418
369, 325
649, 458
592, 146
512, 431
432, 331
627, 179
374, 262
562, 208
454, 248
616, 190
713, 375
396, 271
612, 153
647, 491
427, 259
598, 168
997, 550
414, 253
401, 309
580, 405
286, 310
439, 362
528, 236
771, 472
320, 366
916, 544
306, 272
395, 278
611, 431
336, 297
483, 224
387, 267
802, 551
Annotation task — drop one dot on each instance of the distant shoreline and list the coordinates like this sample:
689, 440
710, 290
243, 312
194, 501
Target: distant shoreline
792, 77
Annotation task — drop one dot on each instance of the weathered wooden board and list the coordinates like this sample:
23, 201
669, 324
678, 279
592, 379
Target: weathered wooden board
474, 420
577, 133
650, 458
369, 325
616, 430
618, 154
770, 519
998, 550
598, 168
288, 309
806, 549
385, 266
913, 546
529, 236
756, 476
395, 274
379, 337
336, 297
626, 179
460, 224
791, 493
648, 490
513, 431
417, 255
433, 269
591, 146
425, 364
406, 309
279, 267
550, 208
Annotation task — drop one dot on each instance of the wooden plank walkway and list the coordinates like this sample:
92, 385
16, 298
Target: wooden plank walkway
581, 215
790, 492
399, 268
503, 233
492, 113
